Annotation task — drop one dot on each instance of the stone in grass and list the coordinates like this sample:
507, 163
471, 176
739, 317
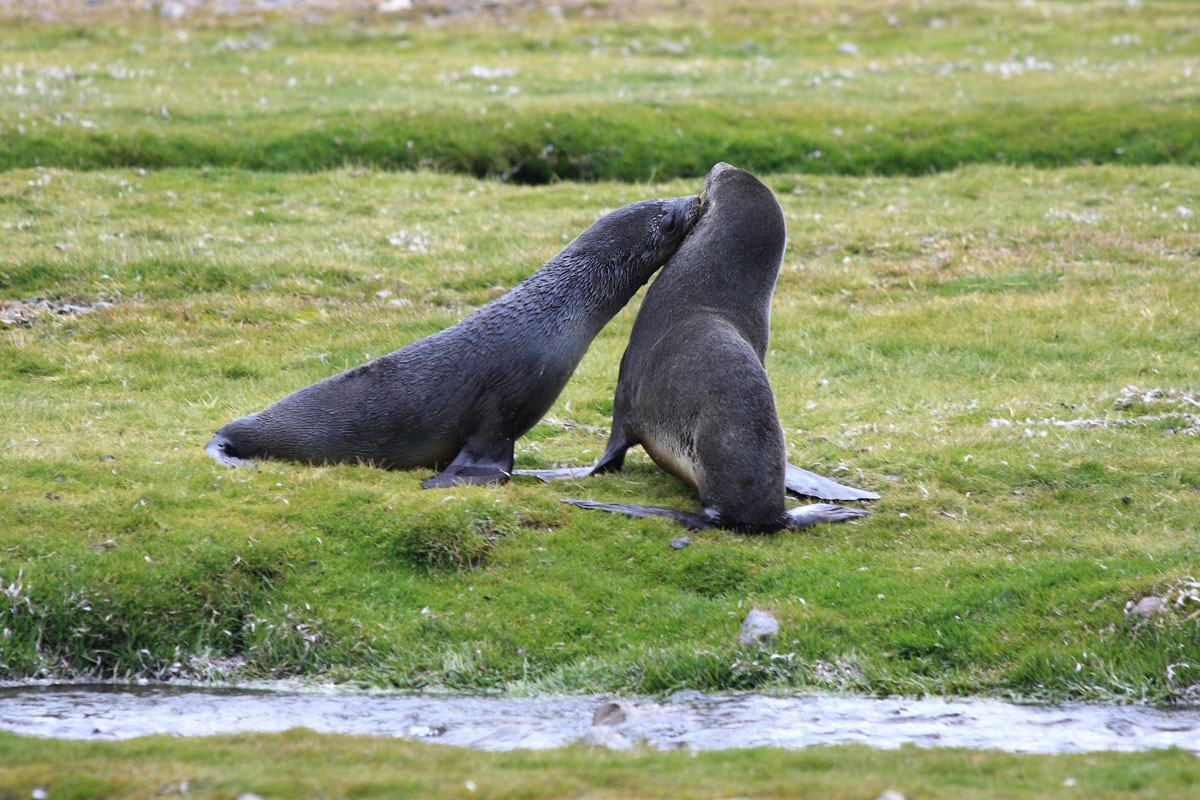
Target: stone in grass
890, 794
612, 713
758, 628
1148, 607
680, 543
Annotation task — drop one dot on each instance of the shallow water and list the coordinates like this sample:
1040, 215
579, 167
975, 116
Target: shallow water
689, 720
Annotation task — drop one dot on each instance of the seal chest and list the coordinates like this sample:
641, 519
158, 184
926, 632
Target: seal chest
459, 399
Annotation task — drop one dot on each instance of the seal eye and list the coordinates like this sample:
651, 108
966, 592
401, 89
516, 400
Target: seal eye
669, 224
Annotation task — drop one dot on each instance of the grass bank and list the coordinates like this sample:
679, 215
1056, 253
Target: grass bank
302, 764
817, 87
961, 343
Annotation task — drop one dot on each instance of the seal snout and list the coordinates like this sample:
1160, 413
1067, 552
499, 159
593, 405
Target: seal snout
717, 169
684, 213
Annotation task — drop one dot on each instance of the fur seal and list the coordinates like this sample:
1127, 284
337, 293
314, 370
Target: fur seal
692, 388
459, 398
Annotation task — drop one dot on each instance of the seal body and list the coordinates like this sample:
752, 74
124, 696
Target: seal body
459, 398
692, 388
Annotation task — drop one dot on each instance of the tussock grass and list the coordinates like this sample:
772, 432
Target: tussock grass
959, 342
818, 87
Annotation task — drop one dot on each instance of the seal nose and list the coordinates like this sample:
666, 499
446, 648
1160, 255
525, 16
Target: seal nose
686, 211
716, 170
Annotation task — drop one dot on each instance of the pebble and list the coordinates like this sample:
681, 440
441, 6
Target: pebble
680, 543
1149, 606
758, 628
610, 714
848, 49
890, 794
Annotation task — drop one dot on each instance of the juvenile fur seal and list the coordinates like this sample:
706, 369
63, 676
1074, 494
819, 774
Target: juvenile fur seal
459, 398
692, 388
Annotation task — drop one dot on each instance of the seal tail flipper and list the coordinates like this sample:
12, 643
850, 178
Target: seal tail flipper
809, 484
222, 450
802, 517
696, 522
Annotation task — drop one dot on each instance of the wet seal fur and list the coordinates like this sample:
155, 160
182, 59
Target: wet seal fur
692, 388
459, 398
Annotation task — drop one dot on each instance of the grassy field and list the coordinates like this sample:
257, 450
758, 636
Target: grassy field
1005, 352
632, 92
961, 343
303, 764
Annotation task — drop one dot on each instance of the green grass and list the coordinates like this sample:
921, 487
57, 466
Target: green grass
303, 764
927, 333
992, 220
535, 98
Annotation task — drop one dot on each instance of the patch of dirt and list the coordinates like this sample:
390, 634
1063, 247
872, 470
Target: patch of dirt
24, 313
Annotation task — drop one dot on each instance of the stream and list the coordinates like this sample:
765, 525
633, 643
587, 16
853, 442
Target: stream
688, 720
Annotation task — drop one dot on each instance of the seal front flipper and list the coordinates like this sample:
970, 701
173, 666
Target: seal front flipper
562, 473
612, 461
809, 484
487, 457
802, 517
696, 522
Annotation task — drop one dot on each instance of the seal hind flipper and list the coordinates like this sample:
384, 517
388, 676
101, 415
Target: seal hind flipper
802, 517
809, 484
696, 522
223, 450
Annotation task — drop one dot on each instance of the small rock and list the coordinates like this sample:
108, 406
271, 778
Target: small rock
890, 794
1147, 607
173, 10
249, 796
848, 49
40, 794
1126, 499
612, 713
758, 628
108, 457
383, 294
107, 544
680, 543
399, 302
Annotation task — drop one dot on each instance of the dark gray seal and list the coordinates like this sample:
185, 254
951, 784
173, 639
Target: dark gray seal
459, 398
692, 388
